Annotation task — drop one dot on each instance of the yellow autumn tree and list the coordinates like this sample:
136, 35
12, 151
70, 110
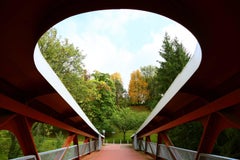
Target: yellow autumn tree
137, 89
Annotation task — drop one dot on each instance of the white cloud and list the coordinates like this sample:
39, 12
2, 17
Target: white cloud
114, 21
183, 35
105, 56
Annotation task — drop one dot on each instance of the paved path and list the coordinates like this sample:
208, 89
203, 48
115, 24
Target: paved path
117, 152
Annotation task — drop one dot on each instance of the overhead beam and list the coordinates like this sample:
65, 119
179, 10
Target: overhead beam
226, 101
17, 107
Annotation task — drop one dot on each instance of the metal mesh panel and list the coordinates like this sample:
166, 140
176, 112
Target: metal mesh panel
142, 143
29, 157
84, 149
71, 153
151, 148
184, 154
148, 149
92, 146
203, 156
164, 152
54, 154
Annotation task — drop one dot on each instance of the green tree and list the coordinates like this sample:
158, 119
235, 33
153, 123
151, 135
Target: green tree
62, 56
101, 109
228, 143
187, 135
66, 61
149, 75
121, 99
175, 58
125, 119
14, 149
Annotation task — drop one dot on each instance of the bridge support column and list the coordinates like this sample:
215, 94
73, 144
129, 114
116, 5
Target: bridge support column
21, 126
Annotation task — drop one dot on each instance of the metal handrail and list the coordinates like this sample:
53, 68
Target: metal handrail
166, 152
64, 153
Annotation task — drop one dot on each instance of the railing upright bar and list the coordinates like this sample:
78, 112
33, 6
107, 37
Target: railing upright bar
159, 141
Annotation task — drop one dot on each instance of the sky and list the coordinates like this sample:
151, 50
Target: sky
122, 40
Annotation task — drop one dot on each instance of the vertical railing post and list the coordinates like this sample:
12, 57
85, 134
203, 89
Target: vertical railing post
159, 141
140, 143
75, 142
99, 142
146, 143
87, 140
135, 145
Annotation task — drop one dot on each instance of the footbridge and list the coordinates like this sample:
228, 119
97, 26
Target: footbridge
207, 90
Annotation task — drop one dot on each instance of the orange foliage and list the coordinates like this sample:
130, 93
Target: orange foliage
137, 89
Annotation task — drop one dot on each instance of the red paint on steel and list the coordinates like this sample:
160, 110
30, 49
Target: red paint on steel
117, 152
168, 143
21, 127
166, 139
69, 140
22, 109
213, 124
226, 101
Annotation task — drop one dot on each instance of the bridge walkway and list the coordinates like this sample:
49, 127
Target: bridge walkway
117, 152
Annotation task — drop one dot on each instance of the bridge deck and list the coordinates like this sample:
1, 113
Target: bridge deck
117, 152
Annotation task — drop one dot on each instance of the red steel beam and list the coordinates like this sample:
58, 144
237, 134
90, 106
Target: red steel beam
21, 127
168, 143
69, 140
17, 107
166, 139
213, 124
226, 101
4, 119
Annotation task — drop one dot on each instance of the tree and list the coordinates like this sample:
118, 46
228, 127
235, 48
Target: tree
149, 75
138, 92
14, 149
101, 109
186, 135
125, 119
228, 143
175, 58
121, 100
66, 61
62, 56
